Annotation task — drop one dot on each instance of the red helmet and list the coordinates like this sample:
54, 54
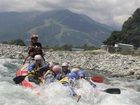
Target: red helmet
57, 69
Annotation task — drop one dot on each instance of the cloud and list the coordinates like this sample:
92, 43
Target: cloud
113, 12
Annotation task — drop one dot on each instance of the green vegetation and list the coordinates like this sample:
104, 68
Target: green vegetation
15, 42
63, 47
67, 47
130, 33
88, 47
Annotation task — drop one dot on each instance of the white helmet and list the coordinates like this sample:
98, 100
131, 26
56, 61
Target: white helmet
38, 57
75, 69
65, 64
34, 36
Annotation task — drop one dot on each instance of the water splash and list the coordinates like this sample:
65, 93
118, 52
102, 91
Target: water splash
55, 94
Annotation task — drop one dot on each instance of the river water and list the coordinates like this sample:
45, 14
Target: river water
55, 94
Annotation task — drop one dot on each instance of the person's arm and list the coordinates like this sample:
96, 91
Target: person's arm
30, 53
40, 45
27, 56
26, 59
30, 67
49, 78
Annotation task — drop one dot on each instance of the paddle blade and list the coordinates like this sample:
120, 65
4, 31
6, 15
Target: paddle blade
97, 79
113, 91
18, 79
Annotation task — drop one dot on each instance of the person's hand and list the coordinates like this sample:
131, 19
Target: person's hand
23, 62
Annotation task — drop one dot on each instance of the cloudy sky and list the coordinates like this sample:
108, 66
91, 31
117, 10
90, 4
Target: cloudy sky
112, 12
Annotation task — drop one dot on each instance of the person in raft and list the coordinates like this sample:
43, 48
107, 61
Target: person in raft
35, 48
36, 70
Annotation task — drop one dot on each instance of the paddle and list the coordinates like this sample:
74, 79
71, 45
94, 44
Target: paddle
109, 90
19, 79
112, 90
97, 79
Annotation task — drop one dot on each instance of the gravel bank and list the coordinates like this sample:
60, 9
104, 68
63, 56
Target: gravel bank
114, 64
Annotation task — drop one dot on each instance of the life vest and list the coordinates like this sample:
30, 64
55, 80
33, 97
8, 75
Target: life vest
35, 76
35, 50
64, 80
49, 77
50, 72
38, 51
35, 69
66, 71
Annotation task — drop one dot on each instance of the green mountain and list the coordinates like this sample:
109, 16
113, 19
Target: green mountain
54, 27
130, 33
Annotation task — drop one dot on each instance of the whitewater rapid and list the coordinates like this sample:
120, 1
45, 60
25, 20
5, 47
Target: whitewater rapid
54, 94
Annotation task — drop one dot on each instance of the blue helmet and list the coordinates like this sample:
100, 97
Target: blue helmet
72, 75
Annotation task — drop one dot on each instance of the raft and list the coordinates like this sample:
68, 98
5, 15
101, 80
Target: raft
25, 83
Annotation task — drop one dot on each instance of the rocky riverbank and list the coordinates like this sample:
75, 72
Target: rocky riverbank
113, 64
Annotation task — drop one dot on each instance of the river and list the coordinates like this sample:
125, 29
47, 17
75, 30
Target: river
54, 94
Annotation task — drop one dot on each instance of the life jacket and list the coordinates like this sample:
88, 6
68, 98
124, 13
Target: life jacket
50, 72
35, 50
66, 72
35, 69
64, 80
38, 51
49, 77
60, 76
34, 76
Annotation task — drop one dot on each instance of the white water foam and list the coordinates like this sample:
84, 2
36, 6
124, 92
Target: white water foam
55, 94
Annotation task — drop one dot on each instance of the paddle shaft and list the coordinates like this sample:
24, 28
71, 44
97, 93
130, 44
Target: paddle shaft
109, 90
37, 73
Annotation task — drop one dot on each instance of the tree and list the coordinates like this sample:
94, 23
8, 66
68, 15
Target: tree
5, 42
130, 33
64, 47
88, 47
15, 42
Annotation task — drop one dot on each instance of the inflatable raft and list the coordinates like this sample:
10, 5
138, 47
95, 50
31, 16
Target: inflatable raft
26, 83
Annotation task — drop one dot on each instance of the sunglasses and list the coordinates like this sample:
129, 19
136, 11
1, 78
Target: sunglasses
35, 38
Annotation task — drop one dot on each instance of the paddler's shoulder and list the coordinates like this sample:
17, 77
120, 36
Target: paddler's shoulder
64, 80
49, 72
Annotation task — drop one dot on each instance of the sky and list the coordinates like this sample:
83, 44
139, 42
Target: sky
111, 12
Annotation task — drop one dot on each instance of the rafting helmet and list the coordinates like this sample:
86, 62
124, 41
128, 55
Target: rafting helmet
34, 36
38, 57
75, 70
65, 64
57, 69
72, 75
